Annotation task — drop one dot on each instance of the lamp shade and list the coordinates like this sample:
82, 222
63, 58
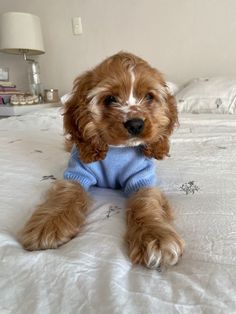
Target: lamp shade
21, 33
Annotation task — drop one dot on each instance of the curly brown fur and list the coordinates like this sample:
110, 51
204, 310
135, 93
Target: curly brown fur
80, 124
93, 125
157, 150
58, 219
121, 88
152, 240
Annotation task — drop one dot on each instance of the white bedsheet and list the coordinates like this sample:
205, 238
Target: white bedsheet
92, 273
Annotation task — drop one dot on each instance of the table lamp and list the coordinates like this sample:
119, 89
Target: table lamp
20, 33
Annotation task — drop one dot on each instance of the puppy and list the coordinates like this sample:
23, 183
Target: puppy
119, 118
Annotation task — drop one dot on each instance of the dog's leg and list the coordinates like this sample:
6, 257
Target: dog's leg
152, 240
58, 219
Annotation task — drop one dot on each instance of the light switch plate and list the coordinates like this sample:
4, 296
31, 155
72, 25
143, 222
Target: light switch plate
4, 74
77, 25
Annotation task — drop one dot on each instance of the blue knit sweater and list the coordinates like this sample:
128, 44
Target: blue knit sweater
123, 168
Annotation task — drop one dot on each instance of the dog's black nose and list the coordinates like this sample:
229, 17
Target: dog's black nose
134, 126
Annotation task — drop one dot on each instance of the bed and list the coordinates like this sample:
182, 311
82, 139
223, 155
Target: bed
92, 273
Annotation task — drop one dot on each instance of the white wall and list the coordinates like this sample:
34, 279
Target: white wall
183, 38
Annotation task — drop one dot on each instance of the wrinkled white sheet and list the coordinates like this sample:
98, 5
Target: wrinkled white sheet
92, 273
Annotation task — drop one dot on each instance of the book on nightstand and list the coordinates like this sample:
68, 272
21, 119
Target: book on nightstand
7, 89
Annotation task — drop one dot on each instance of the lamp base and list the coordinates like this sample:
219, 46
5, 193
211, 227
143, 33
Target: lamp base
34, 78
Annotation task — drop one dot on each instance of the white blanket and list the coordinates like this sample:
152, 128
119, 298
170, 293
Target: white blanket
92, 273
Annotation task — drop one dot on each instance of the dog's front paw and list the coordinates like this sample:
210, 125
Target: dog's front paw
155, 251
44, 231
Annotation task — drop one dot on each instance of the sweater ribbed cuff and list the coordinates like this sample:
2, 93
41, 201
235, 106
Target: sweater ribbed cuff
72, 177
135, 186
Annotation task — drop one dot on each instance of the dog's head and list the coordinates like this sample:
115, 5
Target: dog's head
122, 101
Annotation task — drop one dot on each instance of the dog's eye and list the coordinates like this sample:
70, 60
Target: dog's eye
149, 97
109, 100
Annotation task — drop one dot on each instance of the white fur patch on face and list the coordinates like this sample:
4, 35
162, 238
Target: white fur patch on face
96, 91
93, 98
127, 109
132, 104
132, 100
94, 108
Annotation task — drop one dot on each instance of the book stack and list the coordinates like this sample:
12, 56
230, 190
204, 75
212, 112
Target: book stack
7, 89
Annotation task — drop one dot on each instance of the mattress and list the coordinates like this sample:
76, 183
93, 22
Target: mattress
92, 273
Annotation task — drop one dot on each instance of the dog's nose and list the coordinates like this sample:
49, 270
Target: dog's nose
134, 126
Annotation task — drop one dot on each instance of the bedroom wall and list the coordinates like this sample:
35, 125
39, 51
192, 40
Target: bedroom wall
184, 38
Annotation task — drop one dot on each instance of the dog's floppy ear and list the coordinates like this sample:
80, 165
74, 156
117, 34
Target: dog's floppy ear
160, 148
80, 124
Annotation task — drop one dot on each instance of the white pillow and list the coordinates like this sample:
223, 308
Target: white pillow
208, 95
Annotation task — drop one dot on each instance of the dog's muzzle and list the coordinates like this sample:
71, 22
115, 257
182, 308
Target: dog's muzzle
134, 126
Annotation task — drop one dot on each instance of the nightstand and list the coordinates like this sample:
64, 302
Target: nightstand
8, 110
